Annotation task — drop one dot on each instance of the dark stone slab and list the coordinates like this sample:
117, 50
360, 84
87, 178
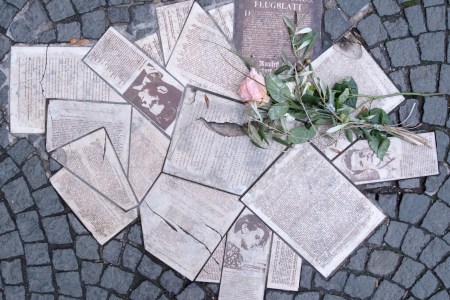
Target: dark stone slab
443, 271
413, 207
20, 151
69, 284
408, 272
36, 254
12, 271
34, 172
335, 22
372, 30
131, 257
434, 253
96, 293
170, 282
116, 279
111, 252
84, 6
433, 183
379, 56
334, 283
47, 201
17, 194
416, 19
87, 247
353, 6
415, 240
76, 225
64, 260
5, 43
6, 223
360, 286
94, 24
135, 234
192, 292
40, 279
383, 262
388, 290
444, 83
399, 79
436, 18
67, 31
388, 203
358, 261
444, 192
403, 52
7, 13
149, 268
9, 170
14, 292
437, 219
396, 28
306, 277
118, 14
57, 230
59, 10
29, 229
395, 234
91, 272
425, 286
145, 290
386, 7
432, 46
435, 110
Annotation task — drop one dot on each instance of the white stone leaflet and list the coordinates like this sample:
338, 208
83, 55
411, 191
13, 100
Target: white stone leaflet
152, 47
224, 17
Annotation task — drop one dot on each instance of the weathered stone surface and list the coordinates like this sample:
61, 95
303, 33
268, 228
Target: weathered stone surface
388, 203
67, 31
34, 172
111, 252
360, 286
386, 7
11, 245
403, 52
443, 271
131, 257
87, 247
96, 293
332, 297
118, 15
47, 201
415, 240
192, 292
377, 236
416, 19
60, 10
36, 254
84, 6
40, 279
436, 18
396, 232
409, 184
379, 56
352, 7
442, 295
17, 194
4, 91
93, 24
399, 79
76, 225
90, 272
14, 292
64, 260
396, 28
425, 286
444, 84
116, 279
437, 219
442, 142
435, 110
6, 223
5, 137
444, 192
358, 260
433, 183
135, 234
17, 3
372, 30
432, 46
12, 271
28, 224
171, 282
54, 165
428, 3
20, 151
303, 296
408, 272
306, 277
57, 230
145, 290
383, 262
423, 79
5, 44
334, 283
336, 23
413, 207
117, 2
388, 290
436, 250
69, 284
149, 268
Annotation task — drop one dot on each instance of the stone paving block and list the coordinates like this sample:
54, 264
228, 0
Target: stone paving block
413, 183
170, 282
332, 297
14, 292
425, 286
5, 44
334, 283
413, 207
433, 183
399, 79
40, 279
335, 22
444, 192
87, 247
145, 290
69, 284
9, 170
42, 297
84, 6
57, 230
435, 110
47, 201
111, 252
353, 6
54, 165
372, 30
116, 279
76, 225
142, 13
4, 91
2, 78
443, 271
428, 3
91, 272
29, 229
17, 3
408, 272
118, 14
149, 268
96, 293
447, 238
7, 13
388, 290
388, 203
436, 18
118, 2
416, 19
437, 219
395, 233
415, 240
20, 151
396, 28
11, 245
358, 261
423, 79
36, 254
17, 194
432, 46
28, 29
64, 260
279, 295
4, 134
67, 31
47, 37
434, 253
34, 172
360, 286
444, 83
135, 234
192, 292
442, 295
6, 223
386, 7
93, 24
59, 10
442, 142
377, 237
12, 271
306, 277
379, 56
383, 262
403, 52
131, 257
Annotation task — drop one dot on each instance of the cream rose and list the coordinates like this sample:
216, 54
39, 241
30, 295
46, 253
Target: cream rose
253, 88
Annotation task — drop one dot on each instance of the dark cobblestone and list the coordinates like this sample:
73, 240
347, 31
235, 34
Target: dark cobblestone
135, 234
34, 172
36, 254
336, 23
91, 272
149, 268
444, 192
93, 24
84, 6
57, 230
131, 257
379, 56
413, 207
442, 295
59, 10
358, 260
306, 277
372, 30
303, 296
425, 286
432, 46
9, 170
334, 283
353, 6
47, 201
383, 262
14, 292
64, 260
17, 194
7, 13
360, 286
69, 284
6, 223
191, 292
436, 250
408, 272
388, 203
28, 224
443, 271
395, 234
442, 142
118, 15
403, 52
40, 279
96, 293
415, 240
145, 290
436, 18
111, 252
437, 219
116, 279
12, 271
433, 183
87, 247
20, 151
399, 79
67, 31
388, 290
171, 282
386, 7
377, 236
396, 28
409, 184
76, 225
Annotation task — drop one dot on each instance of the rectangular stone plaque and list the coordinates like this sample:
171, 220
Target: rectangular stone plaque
224, 17
152, 47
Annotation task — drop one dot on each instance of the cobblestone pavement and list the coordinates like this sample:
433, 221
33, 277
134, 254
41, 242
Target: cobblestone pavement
46, 253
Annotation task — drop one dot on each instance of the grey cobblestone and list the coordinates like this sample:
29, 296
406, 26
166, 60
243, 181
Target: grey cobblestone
403, 52
444, 83
36, 254
14, 292
336, 23
69, 284
93, 24
131, 257
444, 192
47, 201
415, 240
372, 30
64, 260
6, 223
396, 28
358, 260
149, 268
416, 19
84, 6
40, 279
442, 142
334, 283
425, 286
388, 203
111, 252
145, 290
96, 293
306, 277
28, 224
91, 272
20, 151
87, 247
116, 279
67, 31
443, 271
379, 56
118, 15
386, 7
59, 10
383, 262
34, 172
17, 194
433, 183
7, 13
12, 272
436, 250
191, 292
437, 219
413, 207
408, 272
399, 79
436, 18
57, 230
76, 225
388, 290
435, 110
360, 286
423, 79
9, 170
171, 282
442, 295
432, 46
395, 234
303, 296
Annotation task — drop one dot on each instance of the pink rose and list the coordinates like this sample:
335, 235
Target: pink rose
253, 88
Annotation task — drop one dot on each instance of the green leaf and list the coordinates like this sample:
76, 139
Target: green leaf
379, 116
352, 100
277, 89
254, 136
262, 134
281, 69
344, 96
310, 99
349, 135
383, 147
336, 128
301, 134
279, 139
290, 25
278, 110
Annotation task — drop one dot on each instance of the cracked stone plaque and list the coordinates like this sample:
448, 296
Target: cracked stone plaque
70, 120
148, 149
313, 208
210, 145
39, 73
93, 160
101, 216
403, 160
183, 222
